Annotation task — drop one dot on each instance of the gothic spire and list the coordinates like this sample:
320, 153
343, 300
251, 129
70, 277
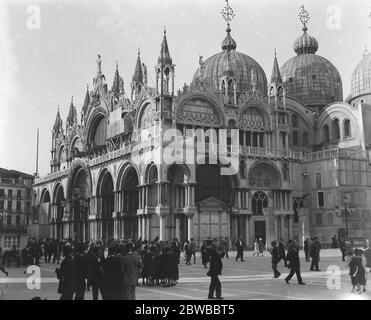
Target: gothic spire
276, 74
72, 114
138, 73
58, 122
164, 57
116, 81
86, 100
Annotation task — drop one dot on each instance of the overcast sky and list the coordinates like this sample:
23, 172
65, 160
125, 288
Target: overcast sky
41, 68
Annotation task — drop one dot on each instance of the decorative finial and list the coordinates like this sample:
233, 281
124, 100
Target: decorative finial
99, 63
228, 14
138, 51
164, 30
117, 65
304, 17
275, 52
58, 108
87, 86
72, 100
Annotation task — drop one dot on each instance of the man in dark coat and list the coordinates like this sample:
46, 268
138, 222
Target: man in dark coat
314, 252
293, 262
239, 248
67, 275
275, 259
81, 272
131, 268
96, 273
216, 267
306, 249
112, 267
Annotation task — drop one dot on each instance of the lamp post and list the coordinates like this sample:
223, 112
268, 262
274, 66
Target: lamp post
346, 212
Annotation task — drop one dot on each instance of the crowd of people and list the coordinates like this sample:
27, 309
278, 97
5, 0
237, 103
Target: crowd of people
115, 268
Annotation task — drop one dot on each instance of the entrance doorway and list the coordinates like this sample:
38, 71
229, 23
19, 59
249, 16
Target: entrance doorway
260, 231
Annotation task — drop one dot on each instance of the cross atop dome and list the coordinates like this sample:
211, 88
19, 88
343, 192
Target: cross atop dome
304, 17
228, 13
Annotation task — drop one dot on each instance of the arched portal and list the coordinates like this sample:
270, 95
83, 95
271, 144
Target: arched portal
128, 227
78, 196
59, 202
216, 195
106, 199
44, 208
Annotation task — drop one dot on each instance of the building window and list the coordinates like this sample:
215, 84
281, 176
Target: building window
9, 205
305, 139
318, 218
18, 205
10, 193
28, 207
18, 221
1, 204
295, 138
318, 181
336, 129
321, 201
347, 132
259, 201
28, 193
2, 193
294, 120
19, 193
9, 220
325, 133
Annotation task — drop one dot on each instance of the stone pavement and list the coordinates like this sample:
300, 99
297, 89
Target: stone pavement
240, 280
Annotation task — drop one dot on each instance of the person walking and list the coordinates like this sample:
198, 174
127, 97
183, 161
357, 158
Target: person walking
204, 254
216, 267
67, 275
81, 272
193, 250
96, 273
188, 252
281, 251
367, 254
275, 259
306, 249
343, 249
131, 269
239, 247
226, 247
315, 249
261, 247
256, 248
2, 267
357, 271
293, 262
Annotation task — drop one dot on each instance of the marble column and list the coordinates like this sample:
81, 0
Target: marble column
291, 234
190, 226
162, 227
177, 227
247, 230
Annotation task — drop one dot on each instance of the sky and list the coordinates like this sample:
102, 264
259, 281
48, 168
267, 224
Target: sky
48, 51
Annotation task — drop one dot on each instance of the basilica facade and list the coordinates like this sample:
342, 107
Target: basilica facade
148, 162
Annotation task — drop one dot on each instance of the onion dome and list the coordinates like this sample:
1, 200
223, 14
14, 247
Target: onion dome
308, 77
361, 77
305, 43
229, 43
232, 63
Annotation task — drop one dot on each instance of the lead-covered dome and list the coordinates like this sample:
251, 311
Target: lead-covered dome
236, 64
361, 77
310, 78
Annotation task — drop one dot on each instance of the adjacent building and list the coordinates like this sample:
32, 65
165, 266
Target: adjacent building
15, 207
